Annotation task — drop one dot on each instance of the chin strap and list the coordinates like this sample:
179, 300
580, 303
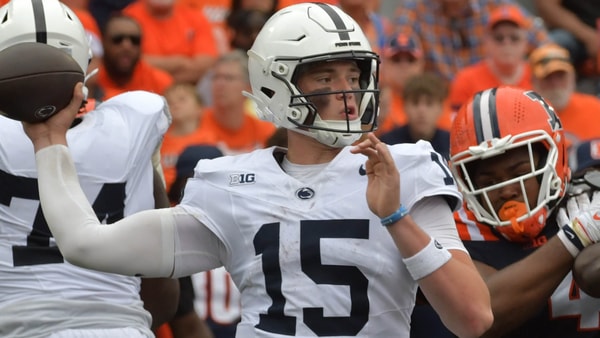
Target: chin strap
87, 105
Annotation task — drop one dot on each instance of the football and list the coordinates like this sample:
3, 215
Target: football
36, 81
586, 270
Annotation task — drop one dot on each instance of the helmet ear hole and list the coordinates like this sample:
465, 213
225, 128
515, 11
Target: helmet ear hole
268, 92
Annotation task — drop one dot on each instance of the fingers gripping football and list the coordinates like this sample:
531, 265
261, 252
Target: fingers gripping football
580, 222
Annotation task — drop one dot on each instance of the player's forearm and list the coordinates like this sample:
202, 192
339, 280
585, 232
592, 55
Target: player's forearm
146, 239
47, 140
556, 16
169, 64
448, 285
161, 297
194, 70
446, 290
521, 289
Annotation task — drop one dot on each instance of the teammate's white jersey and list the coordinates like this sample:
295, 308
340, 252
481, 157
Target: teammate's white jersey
39, 292
312, 259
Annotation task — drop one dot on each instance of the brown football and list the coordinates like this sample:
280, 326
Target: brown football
586, 270
36, 81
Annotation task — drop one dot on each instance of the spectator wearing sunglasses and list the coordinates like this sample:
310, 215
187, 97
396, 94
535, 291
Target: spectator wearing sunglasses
92, 30
402, 59
506, 46
177, 38
553, 77
122, 67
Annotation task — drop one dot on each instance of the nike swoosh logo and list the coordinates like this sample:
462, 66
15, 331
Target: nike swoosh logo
361, 170
569, 233
596, 216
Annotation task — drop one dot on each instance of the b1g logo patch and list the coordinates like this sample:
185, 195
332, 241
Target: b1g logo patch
239, 179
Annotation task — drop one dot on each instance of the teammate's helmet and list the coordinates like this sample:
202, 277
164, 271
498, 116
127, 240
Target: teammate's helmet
495, 121
301, 35
44, 21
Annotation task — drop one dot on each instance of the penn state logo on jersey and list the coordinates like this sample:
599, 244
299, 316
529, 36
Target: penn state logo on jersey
305, 193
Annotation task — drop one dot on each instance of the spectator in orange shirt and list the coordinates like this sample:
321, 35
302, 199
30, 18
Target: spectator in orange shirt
216, 12
506, 46
177, 38
237, 129
122, 67
402, 58
186, 111
554, 79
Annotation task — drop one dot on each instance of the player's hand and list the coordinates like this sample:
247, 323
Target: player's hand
383, 189
54, 130
581, 218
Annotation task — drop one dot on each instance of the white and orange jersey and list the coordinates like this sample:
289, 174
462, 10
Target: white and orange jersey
40, 293
216, 297
309, 258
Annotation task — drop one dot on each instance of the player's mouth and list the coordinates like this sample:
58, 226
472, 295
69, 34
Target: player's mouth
349, 113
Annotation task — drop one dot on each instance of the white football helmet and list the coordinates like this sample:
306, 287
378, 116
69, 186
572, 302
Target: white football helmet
304, 34
44, 21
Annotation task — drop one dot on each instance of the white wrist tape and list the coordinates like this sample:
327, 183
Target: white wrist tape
570, 240
430, 258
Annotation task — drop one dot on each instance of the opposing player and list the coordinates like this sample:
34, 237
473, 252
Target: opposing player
508, 156
41, 294
304, 232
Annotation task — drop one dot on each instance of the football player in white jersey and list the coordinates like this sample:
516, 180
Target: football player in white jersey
322, 238
41, 294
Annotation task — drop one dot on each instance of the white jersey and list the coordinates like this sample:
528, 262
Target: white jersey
40, 293
311, 259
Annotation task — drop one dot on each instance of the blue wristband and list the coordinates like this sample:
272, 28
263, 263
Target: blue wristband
395, 217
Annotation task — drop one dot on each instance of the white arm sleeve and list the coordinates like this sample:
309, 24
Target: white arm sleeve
434, 216
141, 244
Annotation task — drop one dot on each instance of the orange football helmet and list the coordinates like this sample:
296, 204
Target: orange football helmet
498, 120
